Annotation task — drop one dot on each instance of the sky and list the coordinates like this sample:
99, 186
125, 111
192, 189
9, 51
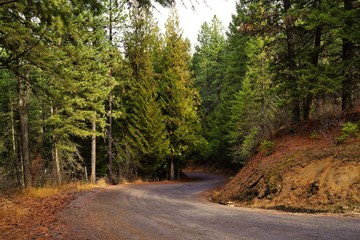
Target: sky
191, 20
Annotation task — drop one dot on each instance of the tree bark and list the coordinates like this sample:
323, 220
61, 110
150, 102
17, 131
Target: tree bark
347, 56
307, 106
86, 174
20, 157
55, 155
172, 170
24, 95
314, 62
110, 154
14, 154
289, 30
57, 163
93, 152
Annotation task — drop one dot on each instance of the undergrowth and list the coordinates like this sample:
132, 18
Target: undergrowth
348, 130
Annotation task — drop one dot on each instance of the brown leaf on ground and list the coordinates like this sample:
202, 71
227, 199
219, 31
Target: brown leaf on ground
26, 217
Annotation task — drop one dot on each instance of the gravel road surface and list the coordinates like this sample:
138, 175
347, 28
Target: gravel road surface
176, 211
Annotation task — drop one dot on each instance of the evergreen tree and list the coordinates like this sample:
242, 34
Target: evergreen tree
254, 109
178, 97
143, 124
115, 21
10, 161
208, 64
350, 57
85, 85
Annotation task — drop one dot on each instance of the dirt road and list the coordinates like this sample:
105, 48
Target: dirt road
175, 211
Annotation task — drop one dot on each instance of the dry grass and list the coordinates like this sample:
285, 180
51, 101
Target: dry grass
50, 191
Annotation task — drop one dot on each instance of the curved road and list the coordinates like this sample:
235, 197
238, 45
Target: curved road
175, 211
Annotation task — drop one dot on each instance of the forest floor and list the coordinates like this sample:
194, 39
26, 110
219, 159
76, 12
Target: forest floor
307, 171
32, 214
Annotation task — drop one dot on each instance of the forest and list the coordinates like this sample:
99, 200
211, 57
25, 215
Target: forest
94, 88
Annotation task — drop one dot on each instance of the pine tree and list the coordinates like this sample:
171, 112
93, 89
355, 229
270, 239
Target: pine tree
115, 21
177, 97
28, 50
208, 64
10, 161
350, 57
254, 109
143, 124
78, 87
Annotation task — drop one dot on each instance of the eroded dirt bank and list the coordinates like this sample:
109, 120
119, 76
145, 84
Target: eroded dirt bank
308, 172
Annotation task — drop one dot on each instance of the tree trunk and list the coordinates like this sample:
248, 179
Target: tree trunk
57, 163
24, 95
172, 170
86, 175
317, 47
20, 157
289, 30
110, 154
347, 56
296, 112
314, 62
93, 152
55, 155
14, 154
307, 106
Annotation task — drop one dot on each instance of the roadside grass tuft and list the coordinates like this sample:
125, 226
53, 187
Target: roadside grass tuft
49, 191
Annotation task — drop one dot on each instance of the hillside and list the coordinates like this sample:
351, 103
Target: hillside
309, 171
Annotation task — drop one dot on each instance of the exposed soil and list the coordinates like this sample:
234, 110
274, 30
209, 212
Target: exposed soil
307, 172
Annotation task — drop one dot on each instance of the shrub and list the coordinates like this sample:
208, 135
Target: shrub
314, 135
246, 148
267, 146
348, 129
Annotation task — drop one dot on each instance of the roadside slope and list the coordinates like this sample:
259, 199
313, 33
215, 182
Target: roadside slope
307, 172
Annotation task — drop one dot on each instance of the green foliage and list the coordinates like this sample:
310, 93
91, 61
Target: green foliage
143, 125
159, 120
248, 146
58, 49
348, 130
2, 146
255, 105
314, 135
176, 92
277, 59
208, 66
268, 147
